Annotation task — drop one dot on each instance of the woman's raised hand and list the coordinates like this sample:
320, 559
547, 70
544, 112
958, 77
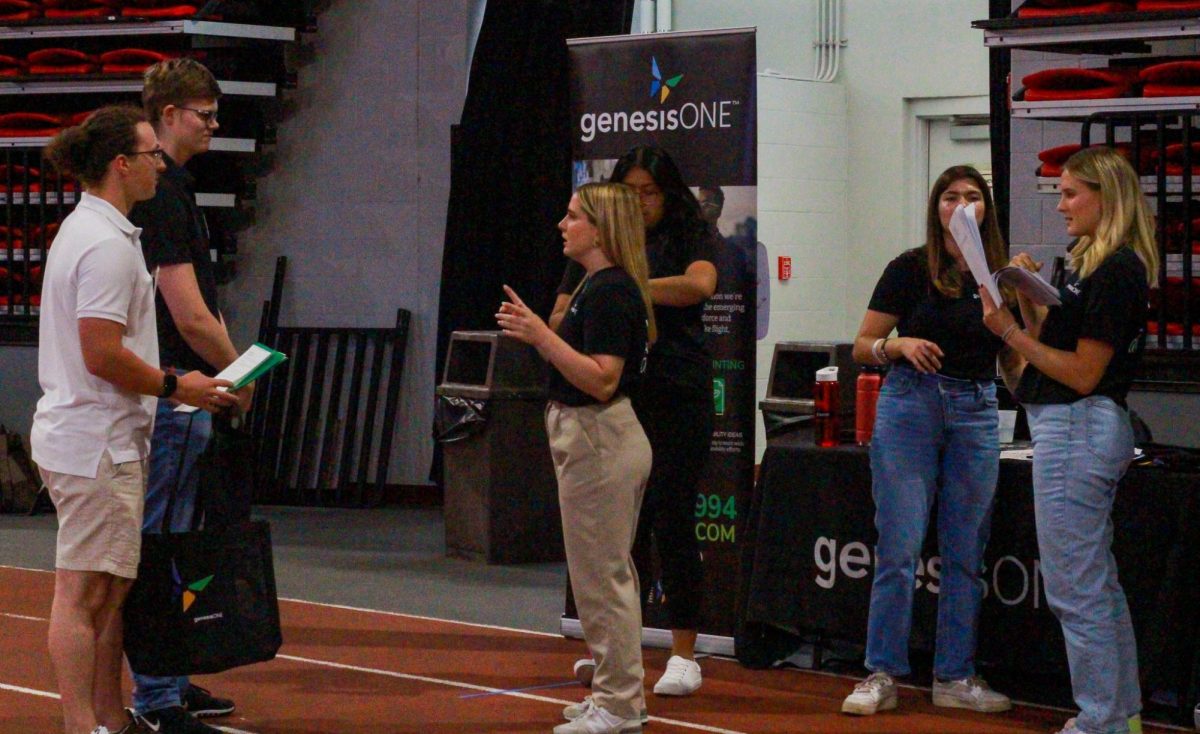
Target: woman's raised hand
519, 321
1023, 260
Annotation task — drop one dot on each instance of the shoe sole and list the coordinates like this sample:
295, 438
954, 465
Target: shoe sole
645, 718
211, 713
856, 709
672, 694
950, 702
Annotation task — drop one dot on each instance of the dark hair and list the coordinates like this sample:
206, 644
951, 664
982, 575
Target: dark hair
942, 271
84, 151
176, 82
681, 211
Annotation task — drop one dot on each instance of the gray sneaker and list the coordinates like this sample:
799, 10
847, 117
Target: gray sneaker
969, 693
876, 693
575, 710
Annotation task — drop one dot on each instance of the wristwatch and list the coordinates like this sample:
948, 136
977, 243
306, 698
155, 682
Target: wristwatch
170, 382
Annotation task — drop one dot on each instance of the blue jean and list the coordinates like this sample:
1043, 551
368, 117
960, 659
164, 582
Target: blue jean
178, 440
935, 438
1080, 452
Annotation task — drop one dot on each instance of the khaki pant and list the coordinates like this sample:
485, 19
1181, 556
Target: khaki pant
602, 460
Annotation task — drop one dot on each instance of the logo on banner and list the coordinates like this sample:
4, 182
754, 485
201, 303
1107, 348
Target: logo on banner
660, 87
712, 114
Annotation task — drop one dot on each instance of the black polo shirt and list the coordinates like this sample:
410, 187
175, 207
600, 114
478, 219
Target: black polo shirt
1109, 306
174, 232
607, 316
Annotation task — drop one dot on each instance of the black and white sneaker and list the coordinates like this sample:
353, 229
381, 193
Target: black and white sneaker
173, 720
203, 705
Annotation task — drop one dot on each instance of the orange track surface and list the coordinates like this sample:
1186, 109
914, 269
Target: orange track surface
346, 670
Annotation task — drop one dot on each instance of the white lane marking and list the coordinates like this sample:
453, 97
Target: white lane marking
28, 691
484, 689
22, 616
424, 618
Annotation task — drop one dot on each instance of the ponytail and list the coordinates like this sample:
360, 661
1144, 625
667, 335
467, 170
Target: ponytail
84, 151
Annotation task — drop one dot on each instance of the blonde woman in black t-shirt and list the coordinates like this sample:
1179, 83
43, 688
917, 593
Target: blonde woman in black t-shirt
600, 452
1073, 367
936, 438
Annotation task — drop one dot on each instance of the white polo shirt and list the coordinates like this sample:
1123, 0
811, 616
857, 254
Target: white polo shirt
94, 270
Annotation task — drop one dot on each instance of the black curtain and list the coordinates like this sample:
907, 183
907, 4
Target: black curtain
510, 175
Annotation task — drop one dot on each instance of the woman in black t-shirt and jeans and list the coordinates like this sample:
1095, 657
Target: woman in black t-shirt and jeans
1075, 363
600, 452
936, 437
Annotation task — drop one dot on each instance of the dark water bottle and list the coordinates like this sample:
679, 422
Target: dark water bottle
825, 407
866, 396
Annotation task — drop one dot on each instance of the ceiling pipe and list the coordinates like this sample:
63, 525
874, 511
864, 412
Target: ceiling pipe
827, 59
662, 16
646, 17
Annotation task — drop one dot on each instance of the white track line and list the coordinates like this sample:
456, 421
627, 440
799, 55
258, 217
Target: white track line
28, 691
22, 616
484, 689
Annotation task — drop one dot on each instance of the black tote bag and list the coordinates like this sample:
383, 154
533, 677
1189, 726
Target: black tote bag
205, 600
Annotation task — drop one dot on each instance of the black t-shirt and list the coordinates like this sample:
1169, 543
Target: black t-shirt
1108, 306
174, 232
679, 355
606, 316
906, 291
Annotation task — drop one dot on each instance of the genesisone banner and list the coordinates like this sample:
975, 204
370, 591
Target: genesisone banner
692, 94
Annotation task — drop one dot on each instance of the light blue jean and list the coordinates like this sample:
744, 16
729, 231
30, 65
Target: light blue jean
178, 440
1080, 452
935, 438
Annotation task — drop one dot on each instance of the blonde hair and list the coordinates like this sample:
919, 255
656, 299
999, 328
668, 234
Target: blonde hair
616, 211
1125, 219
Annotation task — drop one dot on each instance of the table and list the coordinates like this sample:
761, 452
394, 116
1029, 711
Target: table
806, 564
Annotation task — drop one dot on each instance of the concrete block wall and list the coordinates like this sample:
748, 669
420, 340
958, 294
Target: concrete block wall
803, 149
357, 199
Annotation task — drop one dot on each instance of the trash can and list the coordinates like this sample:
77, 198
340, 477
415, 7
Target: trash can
788, 404
501, 495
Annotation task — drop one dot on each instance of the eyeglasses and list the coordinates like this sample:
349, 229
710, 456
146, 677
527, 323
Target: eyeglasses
208, 117
156, 154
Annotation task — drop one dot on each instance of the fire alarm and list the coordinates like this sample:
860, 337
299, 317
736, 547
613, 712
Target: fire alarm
785, 267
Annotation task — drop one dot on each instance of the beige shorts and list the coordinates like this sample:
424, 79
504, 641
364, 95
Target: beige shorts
100, 520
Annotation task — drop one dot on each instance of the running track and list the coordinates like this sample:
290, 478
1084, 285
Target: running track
354, 670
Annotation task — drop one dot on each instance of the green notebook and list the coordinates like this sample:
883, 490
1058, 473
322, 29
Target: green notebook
251, 365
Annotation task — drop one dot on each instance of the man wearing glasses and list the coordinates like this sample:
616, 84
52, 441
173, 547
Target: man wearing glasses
180, 99
99, 372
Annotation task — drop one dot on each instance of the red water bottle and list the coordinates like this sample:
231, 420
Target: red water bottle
865, 398
825, 407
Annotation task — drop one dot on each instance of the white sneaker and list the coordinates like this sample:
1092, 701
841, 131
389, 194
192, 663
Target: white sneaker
596, 720
575, 710
969, 693
1070, 728
585, 669
681, 678
876, 693
100, 730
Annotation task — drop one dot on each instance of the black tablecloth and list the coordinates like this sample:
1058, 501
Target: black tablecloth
807, 560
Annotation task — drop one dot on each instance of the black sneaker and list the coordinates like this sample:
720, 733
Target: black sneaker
173, 720
203, 705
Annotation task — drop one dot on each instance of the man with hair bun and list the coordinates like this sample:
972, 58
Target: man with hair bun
180, 100
98, 368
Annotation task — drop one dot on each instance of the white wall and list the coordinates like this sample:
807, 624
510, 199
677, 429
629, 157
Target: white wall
836, 160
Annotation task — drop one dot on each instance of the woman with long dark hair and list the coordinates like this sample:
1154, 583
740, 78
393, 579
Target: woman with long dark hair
1073, 368
936, 438
674, 403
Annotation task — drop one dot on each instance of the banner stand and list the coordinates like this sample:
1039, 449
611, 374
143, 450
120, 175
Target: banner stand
653, 637
693, 94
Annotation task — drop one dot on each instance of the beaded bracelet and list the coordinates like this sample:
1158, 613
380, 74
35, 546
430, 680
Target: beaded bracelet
879, 351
